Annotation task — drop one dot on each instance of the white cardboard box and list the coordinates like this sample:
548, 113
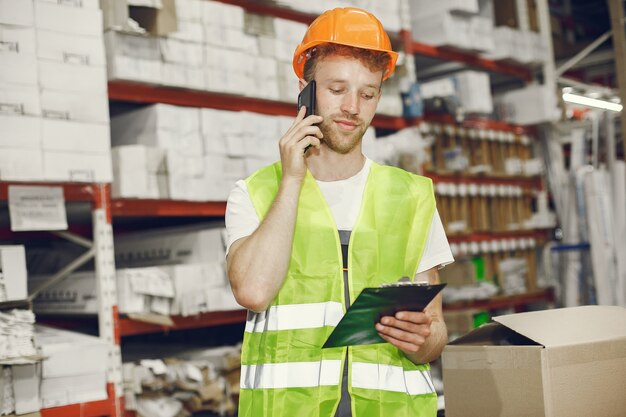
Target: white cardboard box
26, 388
71, 49
77, 166
22, 131
17, 12
135, 46
21, 164
189, 244
13, 267
20, 99
17, 40
554, 363
71, 77
18, 69
77, 107
69, 353
68, 19
76, 389
76, 137
134, 69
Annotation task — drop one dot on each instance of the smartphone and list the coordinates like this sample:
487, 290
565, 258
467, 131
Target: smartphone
307, 98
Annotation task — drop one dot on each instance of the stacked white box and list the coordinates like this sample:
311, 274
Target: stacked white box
514, 108
472, 88
21, 157
161, 125
139, 172
13, 277
75, 368
133, 57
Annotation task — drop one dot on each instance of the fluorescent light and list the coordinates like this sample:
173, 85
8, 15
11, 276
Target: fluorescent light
591, 102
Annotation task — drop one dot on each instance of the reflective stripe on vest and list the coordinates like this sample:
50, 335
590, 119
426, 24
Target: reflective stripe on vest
391, 378
327, 372
291, 374
295, 316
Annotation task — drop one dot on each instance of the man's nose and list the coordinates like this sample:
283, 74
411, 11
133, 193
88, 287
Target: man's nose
350, 104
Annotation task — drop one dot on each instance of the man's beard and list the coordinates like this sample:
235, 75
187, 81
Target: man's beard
337, 142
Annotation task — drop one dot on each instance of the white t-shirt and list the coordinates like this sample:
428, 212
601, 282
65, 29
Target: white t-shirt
344, 199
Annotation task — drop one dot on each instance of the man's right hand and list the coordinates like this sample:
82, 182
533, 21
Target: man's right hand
301, 134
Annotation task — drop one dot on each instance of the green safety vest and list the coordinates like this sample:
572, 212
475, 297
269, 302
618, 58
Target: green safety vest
285, 372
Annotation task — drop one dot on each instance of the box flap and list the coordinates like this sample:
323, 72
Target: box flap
493, 334
569, 326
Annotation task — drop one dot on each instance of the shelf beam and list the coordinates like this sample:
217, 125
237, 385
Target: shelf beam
166, 208
129, 327
498, 302
469, 58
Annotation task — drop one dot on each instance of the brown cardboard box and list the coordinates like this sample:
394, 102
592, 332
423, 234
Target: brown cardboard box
459, 322
568, 362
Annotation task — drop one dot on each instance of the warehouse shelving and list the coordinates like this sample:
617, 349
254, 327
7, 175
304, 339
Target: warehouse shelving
517, 301
130, 327
127, 207
101, 250
537, 234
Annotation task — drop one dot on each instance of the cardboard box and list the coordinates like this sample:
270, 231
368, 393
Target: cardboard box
132, 45
458, 274
21, 164
134, 69
72, 78
20, 99
18, 69
18, 40
68, 19
13, 268
71, 49
75, 137
157, 22
77, 107
20, 130
56, 392
69, 353
16, 12
191, 244
77, 166
554, 363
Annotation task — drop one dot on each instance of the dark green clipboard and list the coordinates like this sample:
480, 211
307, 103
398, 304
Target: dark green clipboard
358, 325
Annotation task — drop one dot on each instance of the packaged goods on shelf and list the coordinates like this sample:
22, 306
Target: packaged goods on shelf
202, 243
157, 386
75, 368
133, 57
544, 349
473, 33
13, 276
160, 125
516, 45
18, 164
425, 8
471, 88
512, 273
16, 336
513, 105
139, 172
16, 12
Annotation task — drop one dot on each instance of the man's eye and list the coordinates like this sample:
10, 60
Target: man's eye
336, 91
368, 96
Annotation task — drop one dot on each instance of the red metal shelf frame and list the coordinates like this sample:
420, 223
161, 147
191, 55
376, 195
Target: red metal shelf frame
489, 236
532, 182
498, 302
166, 208
129, 327
469, 58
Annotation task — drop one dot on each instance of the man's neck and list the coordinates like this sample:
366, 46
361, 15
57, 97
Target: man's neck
326, 165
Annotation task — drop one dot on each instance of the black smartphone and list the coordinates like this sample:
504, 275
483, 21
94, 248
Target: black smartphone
307, 98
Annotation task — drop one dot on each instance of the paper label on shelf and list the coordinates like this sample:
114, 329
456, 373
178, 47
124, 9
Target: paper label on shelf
37, 208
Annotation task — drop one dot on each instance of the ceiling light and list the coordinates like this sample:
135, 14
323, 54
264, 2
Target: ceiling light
591, 102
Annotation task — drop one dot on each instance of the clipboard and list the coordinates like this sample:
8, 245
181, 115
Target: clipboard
358, 325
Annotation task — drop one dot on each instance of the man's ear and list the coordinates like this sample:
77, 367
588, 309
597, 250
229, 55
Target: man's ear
301, 83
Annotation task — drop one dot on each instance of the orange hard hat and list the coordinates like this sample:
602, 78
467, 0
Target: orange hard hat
345, 26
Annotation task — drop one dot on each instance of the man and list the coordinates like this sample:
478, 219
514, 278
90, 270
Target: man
306, 235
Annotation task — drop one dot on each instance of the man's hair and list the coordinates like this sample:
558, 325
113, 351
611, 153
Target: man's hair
373, 60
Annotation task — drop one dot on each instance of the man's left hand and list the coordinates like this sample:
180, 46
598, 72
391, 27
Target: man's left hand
407, 330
